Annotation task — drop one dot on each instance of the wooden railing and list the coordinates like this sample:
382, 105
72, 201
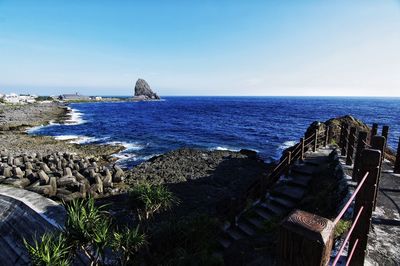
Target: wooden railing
307, 239
232, 207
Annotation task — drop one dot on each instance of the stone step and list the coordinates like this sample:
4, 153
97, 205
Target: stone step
291, 192
274, 208
285, 203
235, 234
245, 227
299, 179
303, 169
256, 222
225, 243
263, 212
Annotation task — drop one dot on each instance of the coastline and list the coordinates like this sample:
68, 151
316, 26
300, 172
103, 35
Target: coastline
18, 122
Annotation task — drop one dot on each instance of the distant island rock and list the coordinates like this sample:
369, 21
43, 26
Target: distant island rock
144, 92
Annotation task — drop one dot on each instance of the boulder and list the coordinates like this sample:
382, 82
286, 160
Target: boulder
65, 181
44, 178
107, 180
7, 172
45, 168
18, 182
143, 91
44, 190
53, 185
119, 175
67, 171
99, 183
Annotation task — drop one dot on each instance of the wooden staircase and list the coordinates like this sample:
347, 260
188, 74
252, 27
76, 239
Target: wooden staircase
279, 201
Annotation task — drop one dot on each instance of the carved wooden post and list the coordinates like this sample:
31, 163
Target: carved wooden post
315, 140
327, 132
378, 143
374, 131
361, 143
350, 146
305, 239
289, 161
397, 163
365, 199
330, 135
344, 127
302, 149
345, 140
385, 133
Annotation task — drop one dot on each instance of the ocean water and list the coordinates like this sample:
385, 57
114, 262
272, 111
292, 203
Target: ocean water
265, 124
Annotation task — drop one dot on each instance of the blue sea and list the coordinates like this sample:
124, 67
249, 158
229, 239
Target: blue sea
265, 124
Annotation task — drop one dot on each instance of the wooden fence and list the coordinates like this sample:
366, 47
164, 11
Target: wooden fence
307, 239
230, 208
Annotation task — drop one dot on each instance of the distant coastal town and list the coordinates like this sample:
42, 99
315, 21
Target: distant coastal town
14, 98
142, 92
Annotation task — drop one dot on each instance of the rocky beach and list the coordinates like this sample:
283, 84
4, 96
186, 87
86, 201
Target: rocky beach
63, 170
15, 120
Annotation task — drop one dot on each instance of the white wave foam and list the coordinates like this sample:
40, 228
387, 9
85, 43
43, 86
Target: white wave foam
67, 137
287, 144
75, 117
223, 148
87, 140
76, 139
129, 146
124, 157
37, 128
282, 147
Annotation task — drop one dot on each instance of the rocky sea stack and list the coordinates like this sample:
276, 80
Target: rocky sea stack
144, 92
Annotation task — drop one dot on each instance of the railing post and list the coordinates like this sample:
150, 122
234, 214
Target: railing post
289, 161
305, 239
370, 161
350, 146
385, 133
302, 149
327, 131
397, 163
342, 130
345, 140
315, 140
361, 143
330, 135
378, 143
374, 131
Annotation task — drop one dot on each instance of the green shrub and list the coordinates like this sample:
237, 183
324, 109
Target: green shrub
50, 250
127, 243
88, 226
149, 199
342, 227
44, 98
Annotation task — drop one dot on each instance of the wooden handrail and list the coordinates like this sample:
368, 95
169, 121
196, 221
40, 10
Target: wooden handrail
311, 136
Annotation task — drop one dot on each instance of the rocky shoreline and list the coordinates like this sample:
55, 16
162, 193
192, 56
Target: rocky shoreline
64, 171
54, 168
15, 120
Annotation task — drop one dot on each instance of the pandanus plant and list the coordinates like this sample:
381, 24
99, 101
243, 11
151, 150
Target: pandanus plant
149, 199
51, 249
88, 228
127, 243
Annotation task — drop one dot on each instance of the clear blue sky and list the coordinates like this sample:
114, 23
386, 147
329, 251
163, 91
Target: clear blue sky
341, 47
